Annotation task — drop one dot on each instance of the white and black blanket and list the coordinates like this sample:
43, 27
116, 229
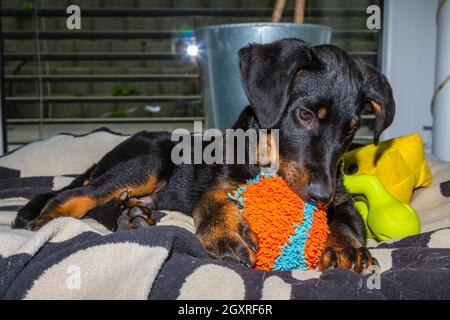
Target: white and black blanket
81, 259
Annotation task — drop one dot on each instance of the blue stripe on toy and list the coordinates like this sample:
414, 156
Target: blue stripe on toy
293, 257
237, 196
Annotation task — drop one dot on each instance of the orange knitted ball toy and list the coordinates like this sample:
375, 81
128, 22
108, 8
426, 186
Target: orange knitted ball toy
291, 233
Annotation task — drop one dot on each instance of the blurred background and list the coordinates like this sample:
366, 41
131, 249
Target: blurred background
127, 67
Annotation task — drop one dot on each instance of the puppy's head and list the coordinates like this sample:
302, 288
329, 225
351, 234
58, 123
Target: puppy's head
315, 96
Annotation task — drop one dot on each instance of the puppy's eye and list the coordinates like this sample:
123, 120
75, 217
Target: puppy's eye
305, 115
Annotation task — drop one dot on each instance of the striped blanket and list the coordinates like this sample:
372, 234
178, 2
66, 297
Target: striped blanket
81, 259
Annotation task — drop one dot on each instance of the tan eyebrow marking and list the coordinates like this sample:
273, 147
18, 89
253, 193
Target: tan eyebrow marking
323, 111
353, 123
376, 106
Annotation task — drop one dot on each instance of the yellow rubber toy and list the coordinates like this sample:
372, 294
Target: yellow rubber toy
385, 217
399, 163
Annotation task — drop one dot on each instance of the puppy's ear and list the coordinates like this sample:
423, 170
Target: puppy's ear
267, 73
378, 98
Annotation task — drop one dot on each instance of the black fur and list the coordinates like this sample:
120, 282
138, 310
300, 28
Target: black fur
313, 95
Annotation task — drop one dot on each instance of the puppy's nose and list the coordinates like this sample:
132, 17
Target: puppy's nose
319, 193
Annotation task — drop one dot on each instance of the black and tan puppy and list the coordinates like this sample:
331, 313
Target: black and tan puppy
315, 97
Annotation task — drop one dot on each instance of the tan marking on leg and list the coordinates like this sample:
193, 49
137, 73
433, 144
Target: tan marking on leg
217, 206
339, 240
75, 207
147, 187
79, 206
219, 226
327, 259
344, 261
216, 199
150, 185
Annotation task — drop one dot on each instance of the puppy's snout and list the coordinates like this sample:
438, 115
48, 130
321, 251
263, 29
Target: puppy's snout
320, 193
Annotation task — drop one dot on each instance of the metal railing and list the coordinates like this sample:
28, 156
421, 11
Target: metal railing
103, 99
104, 77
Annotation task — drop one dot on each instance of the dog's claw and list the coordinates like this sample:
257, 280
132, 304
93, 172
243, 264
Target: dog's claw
124, 196
144, 202
351, 258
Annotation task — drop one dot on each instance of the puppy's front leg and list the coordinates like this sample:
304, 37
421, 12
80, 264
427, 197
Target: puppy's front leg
345, 246
222, 229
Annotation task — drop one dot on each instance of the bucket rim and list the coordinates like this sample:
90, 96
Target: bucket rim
264, 24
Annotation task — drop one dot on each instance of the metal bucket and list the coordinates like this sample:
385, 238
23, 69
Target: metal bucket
223, 95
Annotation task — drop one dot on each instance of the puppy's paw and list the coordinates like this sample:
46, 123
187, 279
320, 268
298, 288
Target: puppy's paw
233, 245
20, 222
136, 212
38, 222
134, 218
147, 203
357, 259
